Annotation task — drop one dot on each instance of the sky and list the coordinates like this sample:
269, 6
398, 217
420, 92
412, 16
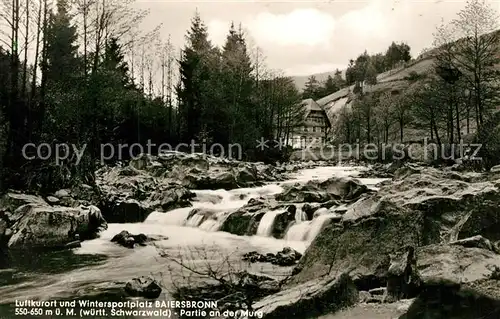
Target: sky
309, 36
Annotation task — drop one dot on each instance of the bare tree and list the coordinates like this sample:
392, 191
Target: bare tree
211, 274
469, 45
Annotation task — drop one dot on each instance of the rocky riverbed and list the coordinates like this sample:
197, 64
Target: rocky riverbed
294, 240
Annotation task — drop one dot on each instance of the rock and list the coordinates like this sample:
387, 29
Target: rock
402, 281
457, 282
130, 199
321, 211
170, 197
310, 299
304, 194
257, 286
321, 192
477, 242
343, 188
245, 220
364, 296
421, 206
11, 201
128, 240
282, 221
145, 287
495, 169
225, 180
286, 257
52, 200
381, 170
62, 193
53, 227
378, 291
309, 209
455, 264
7, 234
127, 211
246, 175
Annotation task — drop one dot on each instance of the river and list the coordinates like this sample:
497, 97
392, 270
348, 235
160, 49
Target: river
100, 268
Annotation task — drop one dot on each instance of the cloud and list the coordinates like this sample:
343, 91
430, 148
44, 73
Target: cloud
217, 31
369, 21
308, 27
305, 39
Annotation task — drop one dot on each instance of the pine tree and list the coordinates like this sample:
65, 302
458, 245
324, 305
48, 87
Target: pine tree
61, 48
312, 89
114, 61
195, 75
238, 86
330, 86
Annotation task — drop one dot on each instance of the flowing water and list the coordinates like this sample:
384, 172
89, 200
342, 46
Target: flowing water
100, 268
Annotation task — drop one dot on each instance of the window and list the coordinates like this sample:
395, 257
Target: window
305, 128
314, 129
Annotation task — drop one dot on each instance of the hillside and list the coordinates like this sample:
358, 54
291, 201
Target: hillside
393, 80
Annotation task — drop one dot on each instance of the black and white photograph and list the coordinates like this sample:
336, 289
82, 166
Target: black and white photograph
241, 159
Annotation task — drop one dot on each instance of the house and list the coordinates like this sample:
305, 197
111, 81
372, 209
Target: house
315, 126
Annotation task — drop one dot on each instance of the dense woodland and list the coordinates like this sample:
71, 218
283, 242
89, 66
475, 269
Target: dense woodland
84, 73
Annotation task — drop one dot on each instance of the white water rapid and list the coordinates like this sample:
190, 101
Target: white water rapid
100, 265
267, 222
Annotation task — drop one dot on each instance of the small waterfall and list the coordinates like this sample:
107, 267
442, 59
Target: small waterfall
195, 220
217, 200
300, 215
298, 231
317, 225
174, 217
267, 222
308, 230
215, 222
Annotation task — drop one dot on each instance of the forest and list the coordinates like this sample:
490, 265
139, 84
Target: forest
84, 73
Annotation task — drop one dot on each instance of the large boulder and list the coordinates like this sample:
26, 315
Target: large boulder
10, 201
421, 206
456, 282
283, 221
341, 187
311, 299
145, 287
246, 220
323, 191
41, 226
202, 171
129, 195
304, 194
